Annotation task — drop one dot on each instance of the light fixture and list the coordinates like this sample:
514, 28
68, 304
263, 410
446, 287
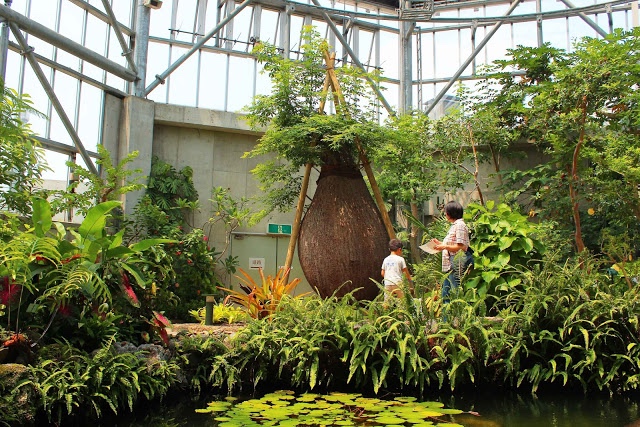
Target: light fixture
153, 4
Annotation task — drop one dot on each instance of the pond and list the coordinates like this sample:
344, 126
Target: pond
494, 410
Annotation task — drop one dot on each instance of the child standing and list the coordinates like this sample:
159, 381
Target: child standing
393, 267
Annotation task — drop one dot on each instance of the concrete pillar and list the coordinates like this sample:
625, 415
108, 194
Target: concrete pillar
132, 131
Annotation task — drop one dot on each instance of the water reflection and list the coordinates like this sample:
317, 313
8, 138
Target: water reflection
495, 409
548, 409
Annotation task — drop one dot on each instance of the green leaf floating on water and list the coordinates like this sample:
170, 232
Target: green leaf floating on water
215, 406
284, 409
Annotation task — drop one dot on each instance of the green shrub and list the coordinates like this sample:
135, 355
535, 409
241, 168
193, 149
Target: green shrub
503, 241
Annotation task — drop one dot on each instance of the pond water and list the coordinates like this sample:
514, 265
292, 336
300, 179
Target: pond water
494, 409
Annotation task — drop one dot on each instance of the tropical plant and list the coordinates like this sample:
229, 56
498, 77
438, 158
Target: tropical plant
76, 382
21, 158
73, 273
263, 299
87, 189
573, 326
194, 264
581, 108
504, 241
173, 192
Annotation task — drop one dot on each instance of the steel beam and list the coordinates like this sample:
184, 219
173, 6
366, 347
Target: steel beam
162, 77
28, 53
468, 61
126, 50
32, 27
406, 66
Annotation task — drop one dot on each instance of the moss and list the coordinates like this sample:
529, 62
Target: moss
17, 406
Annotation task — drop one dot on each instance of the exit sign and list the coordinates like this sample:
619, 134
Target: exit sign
279, 228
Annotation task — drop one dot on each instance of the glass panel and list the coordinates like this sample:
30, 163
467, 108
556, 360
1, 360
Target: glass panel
365, 52
57, 162
525, 34
446, 50
14, 66
96, 35
241, 25
115, 50
157, 62
525, 7
90, 116
67, 59
263, 82
240, 83
497, 46
160, 21
122, 11
39, 98
296, 30
428, 66
389, 60
66, 89
620, 20
20, 6
182, 82
578, 28
44, 13
322, 28
464, 37
185, 21
554, 31
71, 18
212, 81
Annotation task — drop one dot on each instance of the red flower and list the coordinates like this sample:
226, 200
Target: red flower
205, 238
8, 291
68, 260
178, 252
64, 310
128, 291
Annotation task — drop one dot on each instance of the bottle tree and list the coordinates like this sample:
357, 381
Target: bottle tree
342, 237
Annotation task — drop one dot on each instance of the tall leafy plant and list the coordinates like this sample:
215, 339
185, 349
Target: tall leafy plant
504, 241
21, 158
581, 108
88, 189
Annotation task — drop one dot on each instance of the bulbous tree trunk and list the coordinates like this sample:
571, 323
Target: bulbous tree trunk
342, 238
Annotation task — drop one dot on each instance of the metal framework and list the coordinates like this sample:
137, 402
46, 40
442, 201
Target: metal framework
203, 47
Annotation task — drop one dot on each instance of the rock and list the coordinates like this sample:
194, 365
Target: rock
18, 407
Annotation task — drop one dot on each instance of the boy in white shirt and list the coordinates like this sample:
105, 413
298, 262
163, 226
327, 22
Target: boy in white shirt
393, 267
